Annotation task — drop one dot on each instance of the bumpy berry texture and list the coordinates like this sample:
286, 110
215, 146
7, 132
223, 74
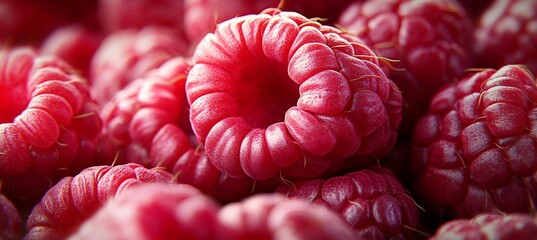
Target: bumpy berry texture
126, 55
48, 122
489, 226
73, 200
196, 169
273, 216
506, 34
475, 150
278, 94
10, 220
75, 44
147, 123
427, 44
372, 201
153, 211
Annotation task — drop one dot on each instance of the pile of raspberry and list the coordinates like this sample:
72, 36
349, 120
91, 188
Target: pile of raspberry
276, 119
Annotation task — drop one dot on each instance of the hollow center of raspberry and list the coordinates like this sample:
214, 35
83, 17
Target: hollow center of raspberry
264, 93
12, 102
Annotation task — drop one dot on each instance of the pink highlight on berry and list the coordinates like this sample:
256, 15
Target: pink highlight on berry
277, 81
45, 104
273, 216
153, 211
489, 226
71, 201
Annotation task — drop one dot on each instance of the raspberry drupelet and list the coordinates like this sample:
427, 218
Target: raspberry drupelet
76, 198
278, 94
49, 124
475, 150
426, 44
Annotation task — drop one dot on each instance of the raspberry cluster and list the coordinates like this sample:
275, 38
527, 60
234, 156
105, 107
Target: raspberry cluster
273, 119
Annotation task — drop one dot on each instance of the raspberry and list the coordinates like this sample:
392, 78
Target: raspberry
147, 120
147, 123
506, 34
126, 55
372, 201
202, 16
430, 40
278, 93
10, 220
273, 216
153, 211
475, 150
48, 122
489, 226
75, 44
72, 200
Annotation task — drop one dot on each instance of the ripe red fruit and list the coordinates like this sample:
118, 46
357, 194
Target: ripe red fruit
10, 220
126, 55
489, 226
75, 44
273, 216
430, 40
476, 150
48, 122
146, 122
277, 93
372, 201
506, 34
196, 169
72, 200
153, 211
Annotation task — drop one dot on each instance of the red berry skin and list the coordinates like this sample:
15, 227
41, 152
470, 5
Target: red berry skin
71, 201
273, 216
429, 41
10, 220
506, 33
475, 149
146, 122
76, 44
373, 202
126, 55
153, 211
196, 169
489, 226
277, 91
43, 104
